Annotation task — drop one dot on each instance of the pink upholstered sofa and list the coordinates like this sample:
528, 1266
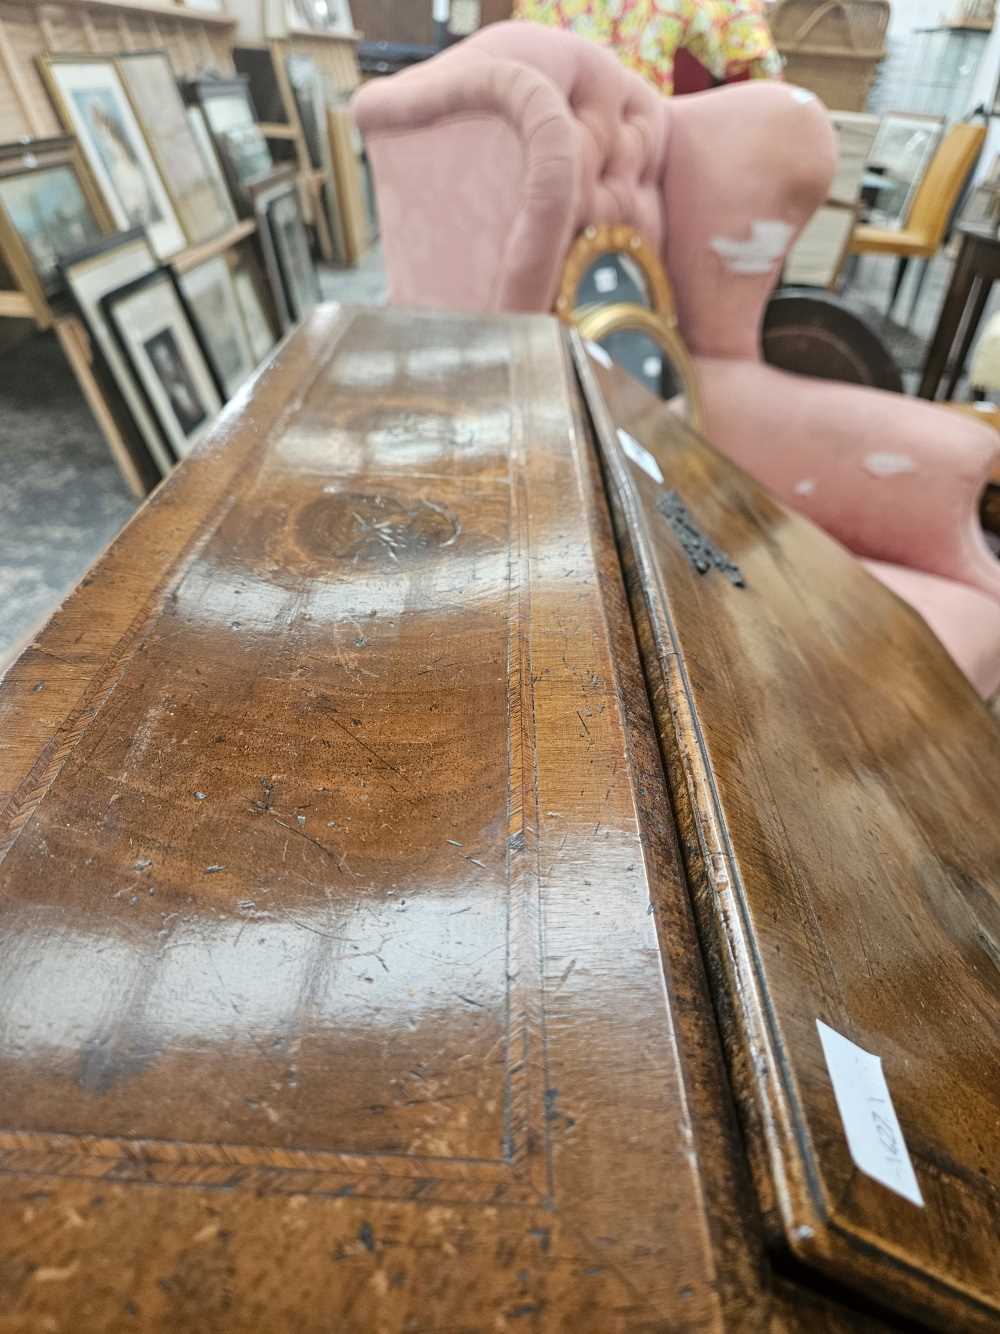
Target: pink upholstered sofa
491, 157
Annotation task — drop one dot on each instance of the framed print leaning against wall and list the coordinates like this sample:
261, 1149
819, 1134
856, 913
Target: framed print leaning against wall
149, 80
49, 207
258, 326
215, 312
232, 123
90, 275
156, 337
93, 104
285, 246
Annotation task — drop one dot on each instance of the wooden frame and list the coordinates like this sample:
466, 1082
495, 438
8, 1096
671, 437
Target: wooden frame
613, 238
194, 382
600, 321
348, 183
806, 270
17, 160
207, 180
166, 234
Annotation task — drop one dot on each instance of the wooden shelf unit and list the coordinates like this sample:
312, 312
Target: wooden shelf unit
194, 41
194, 255
164, 11
266, 65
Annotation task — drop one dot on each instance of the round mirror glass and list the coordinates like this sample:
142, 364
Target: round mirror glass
638, 353
613, 277
635, 340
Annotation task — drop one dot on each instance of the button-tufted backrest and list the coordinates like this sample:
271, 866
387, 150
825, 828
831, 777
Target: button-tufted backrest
622, 121
489, 158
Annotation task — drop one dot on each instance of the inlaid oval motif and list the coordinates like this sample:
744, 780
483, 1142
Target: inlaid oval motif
351, 525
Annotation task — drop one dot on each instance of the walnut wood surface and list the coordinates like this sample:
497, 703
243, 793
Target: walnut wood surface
347, 975
834, 781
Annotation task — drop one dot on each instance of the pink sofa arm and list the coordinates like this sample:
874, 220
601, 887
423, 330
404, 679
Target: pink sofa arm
476, 171
895, 479
745, 169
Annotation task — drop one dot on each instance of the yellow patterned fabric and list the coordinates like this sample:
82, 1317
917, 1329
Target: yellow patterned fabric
729, 37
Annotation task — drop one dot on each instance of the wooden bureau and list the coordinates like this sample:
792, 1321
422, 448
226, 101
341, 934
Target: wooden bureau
433, 850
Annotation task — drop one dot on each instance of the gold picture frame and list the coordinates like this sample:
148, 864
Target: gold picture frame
32, 268
190, 191
91, 100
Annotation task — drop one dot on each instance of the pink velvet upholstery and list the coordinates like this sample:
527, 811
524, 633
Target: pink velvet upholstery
491, 157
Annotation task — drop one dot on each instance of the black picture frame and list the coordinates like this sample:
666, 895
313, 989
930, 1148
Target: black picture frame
123, 293
290, 286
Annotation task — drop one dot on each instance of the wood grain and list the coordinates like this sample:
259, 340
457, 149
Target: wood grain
339, 888
832, 775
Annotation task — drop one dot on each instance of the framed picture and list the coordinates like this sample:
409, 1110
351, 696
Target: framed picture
155, 336
149, 80
286, 247
199, 130
349, 175
215, 312
288, 236
257, 325
981, 207
232, 124
92, 103
310, 102
48, 208
901, 154
321, 15
90, 275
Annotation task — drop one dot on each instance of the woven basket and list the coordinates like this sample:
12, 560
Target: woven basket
832, 48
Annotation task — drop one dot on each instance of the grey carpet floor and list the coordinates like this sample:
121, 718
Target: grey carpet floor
62, 499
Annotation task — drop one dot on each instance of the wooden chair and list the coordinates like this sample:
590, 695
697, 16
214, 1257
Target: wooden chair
930, 211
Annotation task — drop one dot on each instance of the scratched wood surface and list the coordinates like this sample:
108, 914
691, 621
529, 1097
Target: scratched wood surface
834, 781
348, 978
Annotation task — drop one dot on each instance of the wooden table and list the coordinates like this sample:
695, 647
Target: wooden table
975, 271
362, 844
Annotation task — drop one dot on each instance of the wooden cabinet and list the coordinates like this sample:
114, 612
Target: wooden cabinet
428, 844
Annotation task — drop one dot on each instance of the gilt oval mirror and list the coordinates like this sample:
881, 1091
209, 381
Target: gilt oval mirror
642, 344
609, 265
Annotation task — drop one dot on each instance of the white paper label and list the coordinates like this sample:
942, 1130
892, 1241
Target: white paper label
605, 280
873, 1133
640, 455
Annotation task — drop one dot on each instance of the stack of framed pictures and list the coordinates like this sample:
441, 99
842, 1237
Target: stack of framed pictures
123, 235
174, 348
129, 120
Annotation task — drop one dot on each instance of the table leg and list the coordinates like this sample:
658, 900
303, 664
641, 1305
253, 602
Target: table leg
948, 322
971, 325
